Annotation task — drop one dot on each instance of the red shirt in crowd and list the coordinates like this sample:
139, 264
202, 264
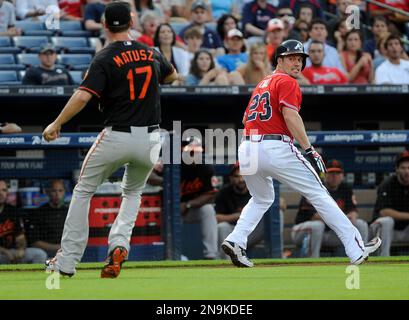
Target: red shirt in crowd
72, 7
399, 4
325, 75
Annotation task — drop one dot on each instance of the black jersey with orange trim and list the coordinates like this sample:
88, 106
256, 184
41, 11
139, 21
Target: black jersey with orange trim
125, 76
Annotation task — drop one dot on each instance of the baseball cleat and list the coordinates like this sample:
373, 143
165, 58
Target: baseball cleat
51, 266
114, 263
370, 247
236, 254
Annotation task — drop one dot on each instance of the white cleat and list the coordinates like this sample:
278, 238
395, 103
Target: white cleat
236, 254
370, 247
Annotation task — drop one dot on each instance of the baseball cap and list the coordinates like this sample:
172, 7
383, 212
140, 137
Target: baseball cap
199, 4
117, 14
335, 166
234, 33
402, 157
275, 24
47, 47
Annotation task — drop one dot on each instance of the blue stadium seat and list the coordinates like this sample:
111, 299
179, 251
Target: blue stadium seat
76, 33
9, 77
5, 42
7, 59
76, 76
71, 26
7, 62
178, 26
29, 59
72, 44
27, 25
30, 43
75, 61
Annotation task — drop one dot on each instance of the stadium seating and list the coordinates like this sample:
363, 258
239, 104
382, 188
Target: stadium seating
6, 46
30, 43
8, 62
75, 61
72, 44
9, 77
33, 28
73, 29
28, 59
76, 76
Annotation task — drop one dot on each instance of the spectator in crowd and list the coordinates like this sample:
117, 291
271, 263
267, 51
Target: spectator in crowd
341, 14
181, 10
339, 34
319, 32
319, 74
35, 9
47, 73
379, 30
398, 20
197, 196
93, 14
203, 71
255, 70
221, 7
228, 205
7, 127
71, 9
13, 243
394, 70
211, 39
306, 13
47, 222
224, 24
274, 37
285, 14
142, 6
382, 54
8, 20
149, 22
255, 17
296, 5
358, 64
194, 41
236, 54
302, 28
392, 206
309, 224
164, 41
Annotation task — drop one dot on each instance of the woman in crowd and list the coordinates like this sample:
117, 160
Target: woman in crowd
203, 71
224, 24
340, 32
358, 64
255, 69
164, 41
302, 28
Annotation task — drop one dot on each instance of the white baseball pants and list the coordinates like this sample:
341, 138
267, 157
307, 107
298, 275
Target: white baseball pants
139, 151
262, 161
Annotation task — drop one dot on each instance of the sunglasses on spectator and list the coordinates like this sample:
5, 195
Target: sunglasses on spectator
280, 15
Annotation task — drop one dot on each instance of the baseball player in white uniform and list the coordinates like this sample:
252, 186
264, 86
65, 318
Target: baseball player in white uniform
272, 122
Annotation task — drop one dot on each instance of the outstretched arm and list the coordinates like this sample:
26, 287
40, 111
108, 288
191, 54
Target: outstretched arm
76, 103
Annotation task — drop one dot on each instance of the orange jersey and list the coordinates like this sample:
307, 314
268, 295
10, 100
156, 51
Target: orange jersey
264, 111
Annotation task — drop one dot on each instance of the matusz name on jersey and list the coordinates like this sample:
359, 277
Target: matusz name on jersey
133, 56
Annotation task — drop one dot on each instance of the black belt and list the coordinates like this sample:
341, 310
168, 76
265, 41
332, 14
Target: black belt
128, 128
265, 137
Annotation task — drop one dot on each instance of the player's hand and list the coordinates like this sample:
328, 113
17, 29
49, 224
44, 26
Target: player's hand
52, 132
316, 160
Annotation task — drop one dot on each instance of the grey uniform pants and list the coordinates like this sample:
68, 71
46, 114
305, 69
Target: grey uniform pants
315, 230
138, 151
208, 224
384, 228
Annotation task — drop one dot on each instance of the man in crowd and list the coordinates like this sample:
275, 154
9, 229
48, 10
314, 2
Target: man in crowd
392, 206
47, 73
13, 244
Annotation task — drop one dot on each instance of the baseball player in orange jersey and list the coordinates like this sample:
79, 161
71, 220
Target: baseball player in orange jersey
272, 122
125, 77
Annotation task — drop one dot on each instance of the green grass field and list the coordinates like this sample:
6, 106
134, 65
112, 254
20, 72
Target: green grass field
323, 278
